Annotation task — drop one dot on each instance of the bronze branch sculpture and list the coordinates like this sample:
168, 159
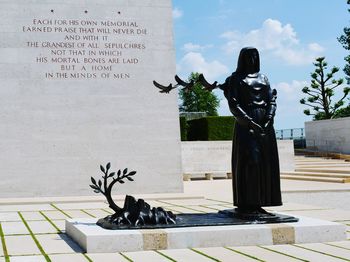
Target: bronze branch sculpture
135, 213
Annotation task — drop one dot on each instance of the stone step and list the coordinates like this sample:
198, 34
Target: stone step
315, 178
206, 176
322, 165
321, 160
316, 174
324, 170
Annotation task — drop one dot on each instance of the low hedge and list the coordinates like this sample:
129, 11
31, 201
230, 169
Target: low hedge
210, 128
183, 128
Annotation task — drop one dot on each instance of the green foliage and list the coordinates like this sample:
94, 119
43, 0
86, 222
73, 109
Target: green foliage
183, 128
344, 112
344, 39
198, 100
321, 90
211, 128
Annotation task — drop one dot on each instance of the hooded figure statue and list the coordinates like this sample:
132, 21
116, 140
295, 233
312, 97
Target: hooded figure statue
255, 164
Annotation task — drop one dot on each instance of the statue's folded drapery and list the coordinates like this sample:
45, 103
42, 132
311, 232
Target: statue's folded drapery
255, 164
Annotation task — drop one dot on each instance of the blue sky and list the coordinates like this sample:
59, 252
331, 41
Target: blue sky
288, 33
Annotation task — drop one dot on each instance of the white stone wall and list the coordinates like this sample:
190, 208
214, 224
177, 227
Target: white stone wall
215, 156
329, 135
61, 115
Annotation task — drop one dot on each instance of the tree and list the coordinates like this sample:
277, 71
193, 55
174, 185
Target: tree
198, 99
344, 39
321, 91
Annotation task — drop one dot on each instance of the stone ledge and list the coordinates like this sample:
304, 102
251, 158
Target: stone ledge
94, 239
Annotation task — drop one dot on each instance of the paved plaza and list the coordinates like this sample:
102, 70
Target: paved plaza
34, 229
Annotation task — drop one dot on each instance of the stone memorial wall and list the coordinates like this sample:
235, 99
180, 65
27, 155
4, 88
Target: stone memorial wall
199, 157
76, 92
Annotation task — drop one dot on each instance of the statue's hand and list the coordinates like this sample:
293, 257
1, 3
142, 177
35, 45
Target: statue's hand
268, 122
257, 129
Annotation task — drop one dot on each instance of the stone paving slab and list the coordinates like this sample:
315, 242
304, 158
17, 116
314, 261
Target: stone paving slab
55, 214
185, 255
202, 209
12, 228
264, 254
303, 253
326, 214
27, 259
190, 202
145, 256
343, 244
287, 206
9, 216
99, 213
77, 213
21, 245
81, 205
32, 215
68, 258
9, 208
58, 244
182, 210
106, 257
224, 254
41, 227
328, 249
61, 224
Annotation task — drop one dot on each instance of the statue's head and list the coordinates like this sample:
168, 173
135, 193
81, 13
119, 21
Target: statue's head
248, 61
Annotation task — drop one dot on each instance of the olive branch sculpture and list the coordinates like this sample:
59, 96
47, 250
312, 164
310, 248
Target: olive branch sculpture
135, 213
107, 188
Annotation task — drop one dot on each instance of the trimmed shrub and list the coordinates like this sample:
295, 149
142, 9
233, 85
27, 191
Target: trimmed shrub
211, 128
183, 128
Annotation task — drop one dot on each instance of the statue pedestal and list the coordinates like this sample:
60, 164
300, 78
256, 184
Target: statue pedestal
94, 239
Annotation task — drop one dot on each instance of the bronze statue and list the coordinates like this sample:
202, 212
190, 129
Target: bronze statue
255, 164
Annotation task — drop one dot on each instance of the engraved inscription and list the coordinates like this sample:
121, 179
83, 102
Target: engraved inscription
86, 49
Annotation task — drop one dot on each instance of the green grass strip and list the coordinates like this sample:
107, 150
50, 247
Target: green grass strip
167, 257
173, 205
124, 256
203, 254
86, 256
34, 238
329, 244
108, 211
84, 211
2, 236
244, 254
164, 255
320, 252
209, 207
278, 252
64, 213
225, 202
49, 220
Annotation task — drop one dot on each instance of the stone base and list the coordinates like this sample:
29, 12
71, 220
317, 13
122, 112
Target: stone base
94, 239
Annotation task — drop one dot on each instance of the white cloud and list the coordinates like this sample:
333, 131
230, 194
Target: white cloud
289, 110
316, 47
190, 47
177, 13
280, 40
195, 62
290, 91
